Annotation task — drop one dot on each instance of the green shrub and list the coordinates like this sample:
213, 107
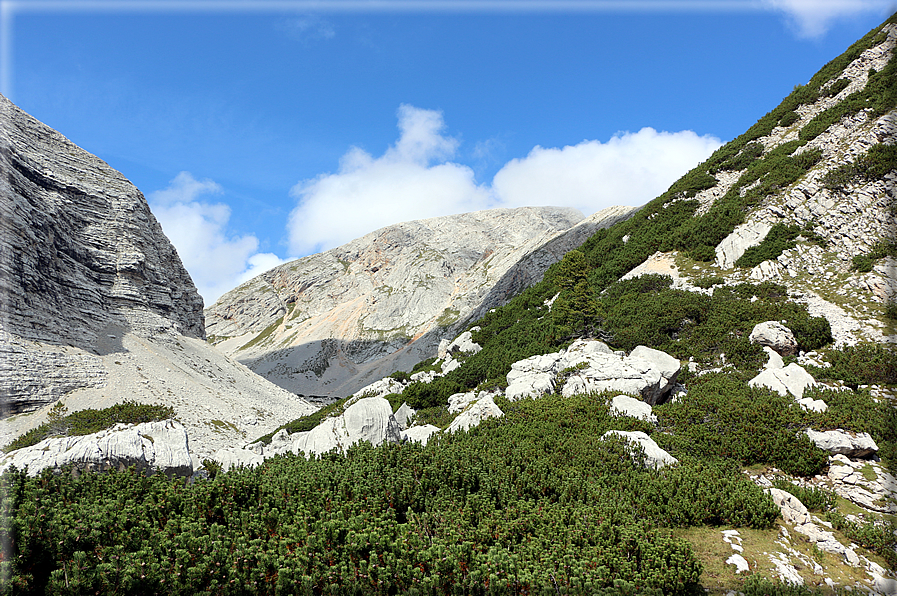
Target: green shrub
709, 282
814, 499
721, 416
873, 165
788, 119
862, 364
862, 264
780, 238
89, 421
879, 538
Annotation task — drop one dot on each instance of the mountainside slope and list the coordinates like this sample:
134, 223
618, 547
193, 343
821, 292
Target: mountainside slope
96, 305
749, 316
331, 323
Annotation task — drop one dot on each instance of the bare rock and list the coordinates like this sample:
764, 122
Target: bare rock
792, 379
369, 419
742, 238
655, 457
404, 415
591, 366
330, 323
853, 445
793, 511
420, 434
623, 405
776, 336
482, 409
150, 447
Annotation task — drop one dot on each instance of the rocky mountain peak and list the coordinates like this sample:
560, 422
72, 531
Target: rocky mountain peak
330, 323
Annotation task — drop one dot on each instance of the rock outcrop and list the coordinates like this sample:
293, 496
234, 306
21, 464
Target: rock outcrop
844, 443
331, 323
591, 366
655, 457
97, 307
150, 447
80, 252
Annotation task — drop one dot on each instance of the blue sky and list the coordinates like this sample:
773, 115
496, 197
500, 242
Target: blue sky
262, 131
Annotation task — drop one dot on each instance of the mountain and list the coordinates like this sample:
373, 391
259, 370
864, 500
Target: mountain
700, 398
330, 323
97, 307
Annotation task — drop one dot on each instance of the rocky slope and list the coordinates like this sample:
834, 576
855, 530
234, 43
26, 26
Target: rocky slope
331, 323
96, 304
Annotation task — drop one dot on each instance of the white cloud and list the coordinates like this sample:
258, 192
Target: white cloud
413, 179
812, 18
216, 260
368, 193
629, 169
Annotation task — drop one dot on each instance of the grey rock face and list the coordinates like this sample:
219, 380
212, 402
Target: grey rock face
330, 323
151, 447
97, 307
79, 250
774, 335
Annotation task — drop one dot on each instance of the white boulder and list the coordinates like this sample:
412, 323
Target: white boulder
792, 379
793, 511
404, 415
232, 457
742, 238
854, 445
623, 405
151, 447
655, 457
369, 419
774, 335
591, 366
478, 411
420, 434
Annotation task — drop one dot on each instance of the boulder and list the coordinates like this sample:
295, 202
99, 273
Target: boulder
853, 445
482, 409
793, 511
623, 405
369, 419
233, 457
776, 336
420, 434
381, 388
655, 457
404, 415
591, 366
742, 238
793, 379
463, 344
151, 447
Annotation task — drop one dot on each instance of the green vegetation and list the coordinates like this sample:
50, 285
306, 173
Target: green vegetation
780, 238
534, 501
523, 503
873, 165
880, 538
814, 499
724, 418
89, 421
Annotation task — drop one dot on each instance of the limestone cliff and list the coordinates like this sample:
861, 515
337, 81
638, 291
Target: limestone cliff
331, 323
96, 305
